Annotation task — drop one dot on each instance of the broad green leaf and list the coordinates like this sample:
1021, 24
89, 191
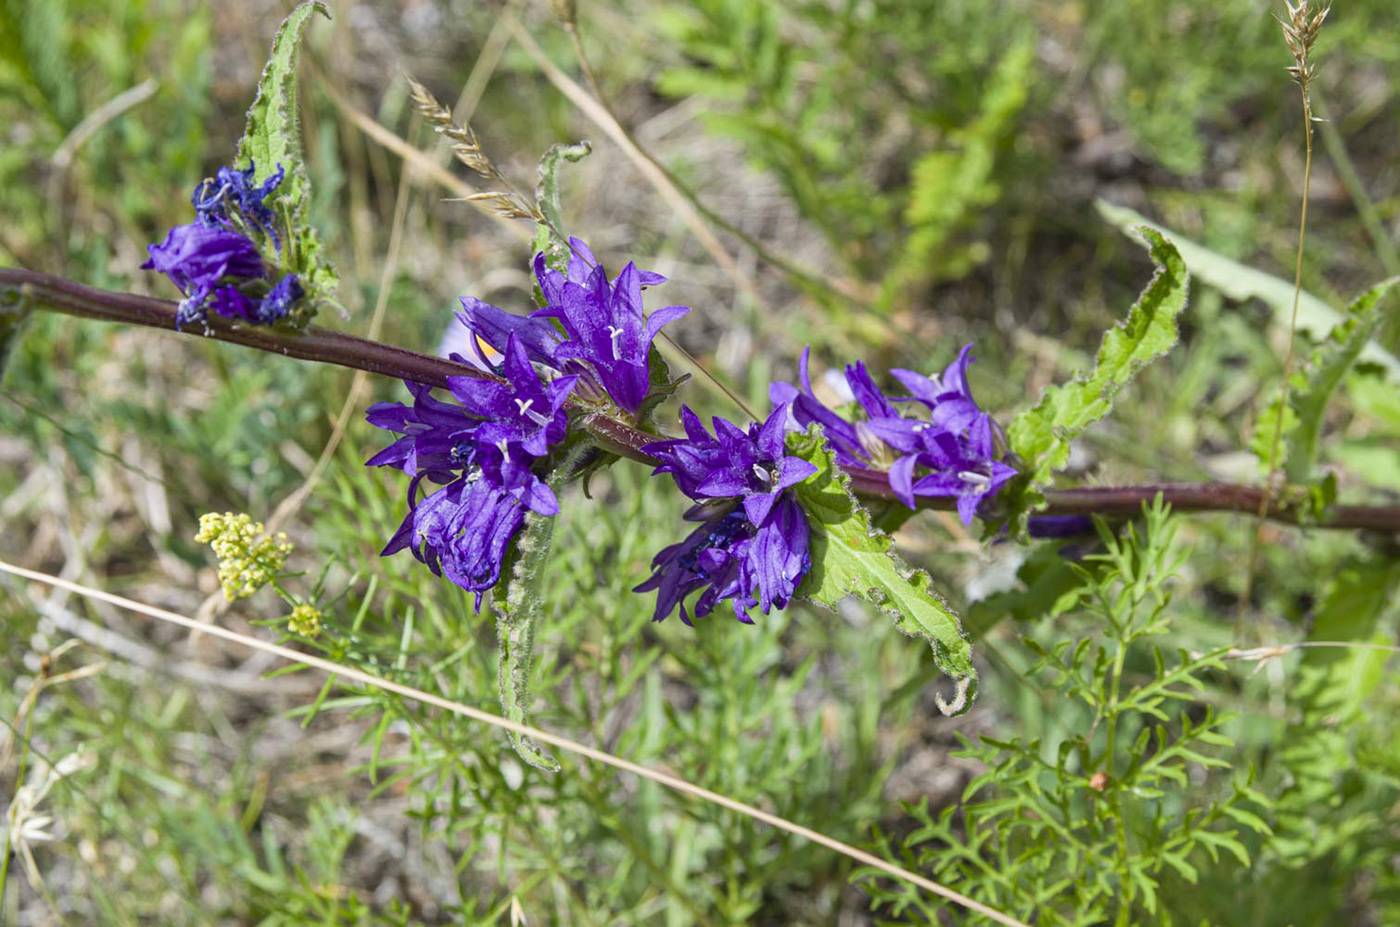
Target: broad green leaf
1041, 436
1312, 387
272, 138
1240, 282
850, 557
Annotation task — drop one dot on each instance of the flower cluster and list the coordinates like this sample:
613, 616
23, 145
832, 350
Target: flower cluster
482, 451
948, 448
305, 620
248, 559
752, 543
216, 261
605, 339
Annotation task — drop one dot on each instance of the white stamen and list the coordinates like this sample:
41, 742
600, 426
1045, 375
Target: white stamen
924, 427
762, 474
976, 479
535, 417
615, 334
502, 445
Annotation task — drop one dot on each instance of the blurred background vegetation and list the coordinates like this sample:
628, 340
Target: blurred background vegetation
894, 178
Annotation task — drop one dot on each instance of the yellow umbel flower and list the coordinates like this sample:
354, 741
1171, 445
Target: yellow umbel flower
248, 560
305, 620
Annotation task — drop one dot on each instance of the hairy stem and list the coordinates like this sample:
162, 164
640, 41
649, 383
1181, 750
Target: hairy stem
317, 344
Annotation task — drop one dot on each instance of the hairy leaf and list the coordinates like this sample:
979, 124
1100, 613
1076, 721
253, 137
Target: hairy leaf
271, 139
1238, 281
1313, 386
518, 605
1041, 436
850, 557
549, 234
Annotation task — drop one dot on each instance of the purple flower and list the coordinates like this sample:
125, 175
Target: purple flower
279, 300
754, 550
521, 410
853, 443
233, 303
214, 261
605, 325
482, 448
729, 558
230, 193
462, 530
950, 453
493, 327
436, 435
197, 259
605, 340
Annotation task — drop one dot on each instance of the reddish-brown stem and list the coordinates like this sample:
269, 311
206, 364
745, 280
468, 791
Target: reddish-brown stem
325, 346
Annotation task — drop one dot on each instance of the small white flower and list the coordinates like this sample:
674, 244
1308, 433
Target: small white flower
27, 827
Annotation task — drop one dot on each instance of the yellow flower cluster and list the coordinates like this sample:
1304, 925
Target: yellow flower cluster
305, 620
247, 559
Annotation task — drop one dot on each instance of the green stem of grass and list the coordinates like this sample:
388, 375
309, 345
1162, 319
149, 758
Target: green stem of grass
1264, 501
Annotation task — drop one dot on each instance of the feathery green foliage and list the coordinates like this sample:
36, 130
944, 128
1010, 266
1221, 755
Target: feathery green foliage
1084, 824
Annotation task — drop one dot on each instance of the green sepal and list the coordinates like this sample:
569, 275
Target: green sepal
852, 557
271, 138
660, 386
1040, 437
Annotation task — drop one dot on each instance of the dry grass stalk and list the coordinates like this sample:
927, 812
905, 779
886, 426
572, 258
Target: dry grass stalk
465, 145
1300, 32
507, 204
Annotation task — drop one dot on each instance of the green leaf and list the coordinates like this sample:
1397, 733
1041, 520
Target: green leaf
1240, 282
1335, 683
518, 604
1313, 386
549, 234
272, 138
950, 188
850, 557
1041, 436
1262, 441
